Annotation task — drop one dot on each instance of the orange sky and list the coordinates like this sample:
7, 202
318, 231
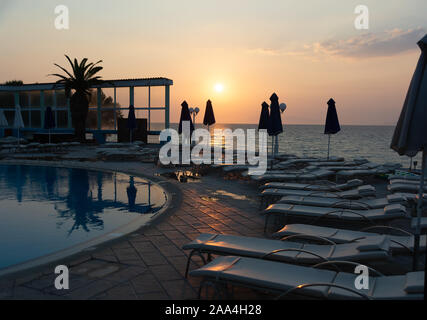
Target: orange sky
306, 52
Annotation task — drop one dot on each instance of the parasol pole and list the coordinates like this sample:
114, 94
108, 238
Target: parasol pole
419, 212
329, 144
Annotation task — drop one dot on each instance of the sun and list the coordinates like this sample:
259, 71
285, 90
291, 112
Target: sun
219, 87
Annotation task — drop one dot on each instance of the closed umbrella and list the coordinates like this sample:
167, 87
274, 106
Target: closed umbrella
410, 135
49, 120
209, 118
185, 116
263, 119
332, 125
131, 123
3, 120
275, 126
18, 123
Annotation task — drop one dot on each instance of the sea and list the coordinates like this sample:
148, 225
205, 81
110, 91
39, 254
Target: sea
369, 142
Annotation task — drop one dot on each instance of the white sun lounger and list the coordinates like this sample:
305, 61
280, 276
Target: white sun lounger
325, 215
405, 187
357, 193
306, 176
396, 181
372, 249
403, 244
343, 163
360, 173
407, 177
287, 280
377, 203
291, 162
316, 186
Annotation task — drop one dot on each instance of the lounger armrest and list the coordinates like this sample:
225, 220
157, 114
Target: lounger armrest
338, 262
265, 256
307, 236
303, 286
362, 205
345, 211
394, 208
331, 194
415, 282
387, 228
200, 240
374, 243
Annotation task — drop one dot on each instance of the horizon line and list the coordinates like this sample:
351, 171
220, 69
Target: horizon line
300, 124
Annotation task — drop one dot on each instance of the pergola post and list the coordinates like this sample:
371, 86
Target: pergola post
115, 108
42, 108
55, 106
16, 98
98, 105
132, 96
167, 107
69, 122
29, 109
149, 108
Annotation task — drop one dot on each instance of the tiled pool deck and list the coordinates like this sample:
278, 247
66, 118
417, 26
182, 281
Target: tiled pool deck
149, 263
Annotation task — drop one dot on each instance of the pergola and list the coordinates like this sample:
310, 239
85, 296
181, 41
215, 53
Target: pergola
42, 88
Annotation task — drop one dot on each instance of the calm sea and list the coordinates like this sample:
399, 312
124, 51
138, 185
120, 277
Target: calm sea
370, 142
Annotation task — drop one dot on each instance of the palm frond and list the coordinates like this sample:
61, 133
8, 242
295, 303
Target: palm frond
82, 77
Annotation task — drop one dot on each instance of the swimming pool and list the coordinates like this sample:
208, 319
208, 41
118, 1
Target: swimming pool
47, 210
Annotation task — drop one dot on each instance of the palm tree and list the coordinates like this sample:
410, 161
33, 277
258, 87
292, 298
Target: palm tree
80, 79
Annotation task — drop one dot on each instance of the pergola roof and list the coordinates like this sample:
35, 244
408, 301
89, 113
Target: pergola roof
119, 83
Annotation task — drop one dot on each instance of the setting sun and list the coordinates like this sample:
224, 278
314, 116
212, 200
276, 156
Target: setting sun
219, 87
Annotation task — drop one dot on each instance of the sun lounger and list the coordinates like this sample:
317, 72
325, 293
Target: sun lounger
405, 176
405, 187
291, 162
332, 202
357, 193
316, 186
343, 163
360, 173
367, 166
328, 215
402, 244
305, 176
372, 249
396, 181
287, 280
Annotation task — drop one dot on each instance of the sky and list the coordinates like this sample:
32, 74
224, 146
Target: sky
305, 51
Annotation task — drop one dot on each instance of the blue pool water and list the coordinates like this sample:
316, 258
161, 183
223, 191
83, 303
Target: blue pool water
44, 210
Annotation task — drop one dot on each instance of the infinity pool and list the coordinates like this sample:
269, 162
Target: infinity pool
45, 210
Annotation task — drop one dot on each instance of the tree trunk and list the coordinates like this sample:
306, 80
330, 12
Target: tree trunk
79, 105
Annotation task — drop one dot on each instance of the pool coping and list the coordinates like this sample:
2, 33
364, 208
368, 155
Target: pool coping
173, 202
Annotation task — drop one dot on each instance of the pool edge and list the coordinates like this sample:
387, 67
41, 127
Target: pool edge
173, 197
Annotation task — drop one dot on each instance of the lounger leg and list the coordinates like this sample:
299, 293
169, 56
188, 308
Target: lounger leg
266, 223
207, 283
189, 260
261, 203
